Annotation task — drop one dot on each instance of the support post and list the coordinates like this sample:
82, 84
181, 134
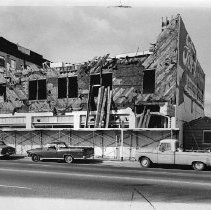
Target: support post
131, 145
121, 144
41, 142
93, 136
136, 133
117, 146
70, 137
102, 145
15, 140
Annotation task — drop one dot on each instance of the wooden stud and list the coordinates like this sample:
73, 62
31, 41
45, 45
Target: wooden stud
145, 118
108, 107
103, 107
141, 116
99, 106
148, 119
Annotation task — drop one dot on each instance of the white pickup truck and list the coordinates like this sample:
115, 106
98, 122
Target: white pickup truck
168, 152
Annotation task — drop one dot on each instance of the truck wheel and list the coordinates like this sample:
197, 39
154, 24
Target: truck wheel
68, 159
145, 162
199, 166
35, 158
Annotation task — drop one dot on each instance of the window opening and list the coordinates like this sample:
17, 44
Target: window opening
207, 137
3, 92
68, 87
149, 82
41, 89
37, 90
2, 61
72, 87
62, 87
95, 82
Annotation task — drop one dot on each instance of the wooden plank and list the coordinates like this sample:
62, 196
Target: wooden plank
103, 107
125, 95
88, 104
137, 119
108, 107
118, 94
145, 118
148, 119
142, 118
99, 105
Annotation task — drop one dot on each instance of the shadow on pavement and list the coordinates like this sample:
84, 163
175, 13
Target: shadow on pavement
182, 167
76, 161
16, 157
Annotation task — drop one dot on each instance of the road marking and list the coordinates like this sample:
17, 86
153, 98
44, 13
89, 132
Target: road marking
96, 176
19, 187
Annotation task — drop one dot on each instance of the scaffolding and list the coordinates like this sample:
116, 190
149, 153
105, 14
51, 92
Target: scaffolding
115, 143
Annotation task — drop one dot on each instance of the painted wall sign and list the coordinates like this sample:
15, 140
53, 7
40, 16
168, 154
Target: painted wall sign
190, 76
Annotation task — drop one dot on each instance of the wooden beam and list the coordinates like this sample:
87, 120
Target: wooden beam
99, 106
108, 107
103, 107
140, 124
145, 118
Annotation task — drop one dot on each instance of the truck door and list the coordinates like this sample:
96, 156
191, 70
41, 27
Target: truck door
165, 154
51, 152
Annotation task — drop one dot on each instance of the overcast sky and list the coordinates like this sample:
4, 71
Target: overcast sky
74, 34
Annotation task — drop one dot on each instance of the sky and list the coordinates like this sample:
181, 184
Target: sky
75, 31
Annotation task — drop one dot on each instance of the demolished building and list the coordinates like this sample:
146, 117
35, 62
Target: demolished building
155, 90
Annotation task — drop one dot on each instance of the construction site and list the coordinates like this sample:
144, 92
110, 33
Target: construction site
115, 104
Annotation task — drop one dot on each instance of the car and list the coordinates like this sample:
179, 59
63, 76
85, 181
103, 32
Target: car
60, 150
5, 150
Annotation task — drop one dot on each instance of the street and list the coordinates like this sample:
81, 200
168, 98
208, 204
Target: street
91, 183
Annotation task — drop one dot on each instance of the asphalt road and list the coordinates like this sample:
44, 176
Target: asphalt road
93, 184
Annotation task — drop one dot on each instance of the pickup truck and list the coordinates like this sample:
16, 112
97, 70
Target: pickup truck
60, 150
168, 152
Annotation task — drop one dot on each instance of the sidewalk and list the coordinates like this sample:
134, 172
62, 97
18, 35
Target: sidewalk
119, 163
97, 161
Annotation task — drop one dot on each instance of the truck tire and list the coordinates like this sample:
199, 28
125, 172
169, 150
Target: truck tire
35, 158
68, 159
199, 166
145, 162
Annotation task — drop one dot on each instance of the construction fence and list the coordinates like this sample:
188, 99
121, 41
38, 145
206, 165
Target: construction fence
108, 143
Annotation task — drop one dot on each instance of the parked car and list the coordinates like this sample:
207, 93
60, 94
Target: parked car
60, 150
5, 150
169, 152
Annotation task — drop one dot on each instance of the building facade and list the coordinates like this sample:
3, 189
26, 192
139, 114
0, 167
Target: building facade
155, 90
